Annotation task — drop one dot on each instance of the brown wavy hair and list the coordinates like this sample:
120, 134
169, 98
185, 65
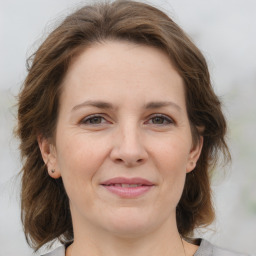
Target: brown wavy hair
44, 204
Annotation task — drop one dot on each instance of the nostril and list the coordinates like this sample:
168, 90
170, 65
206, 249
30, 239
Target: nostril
120, 161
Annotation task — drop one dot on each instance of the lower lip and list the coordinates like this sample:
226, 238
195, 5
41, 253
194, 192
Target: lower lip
128, 192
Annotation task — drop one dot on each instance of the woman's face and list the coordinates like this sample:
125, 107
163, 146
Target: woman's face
123, 140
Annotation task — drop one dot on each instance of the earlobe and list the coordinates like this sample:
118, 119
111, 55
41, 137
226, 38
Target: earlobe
194, 155
48, 153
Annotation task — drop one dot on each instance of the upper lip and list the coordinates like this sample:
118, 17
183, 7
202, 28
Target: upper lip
123, 180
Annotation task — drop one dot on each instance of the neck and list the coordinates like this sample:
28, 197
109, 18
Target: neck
165, 241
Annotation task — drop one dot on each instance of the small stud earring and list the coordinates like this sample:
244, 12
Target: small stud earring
53, 171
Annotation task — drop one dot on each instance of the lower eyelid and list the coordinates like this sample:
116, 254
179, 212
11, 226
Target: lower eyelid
166, 118
88, 118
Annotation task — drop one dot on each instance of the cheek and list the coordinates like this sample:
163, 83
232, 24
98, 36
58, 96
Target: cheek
78, 159
78, 162
171, 155
171, 160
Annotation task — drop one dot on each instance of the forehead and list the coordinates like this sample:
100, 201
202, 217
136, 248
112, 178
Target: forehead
116, 55
123, 67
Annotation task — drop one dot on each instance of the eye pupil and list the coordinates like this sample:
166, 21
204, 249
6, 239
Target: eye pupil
95, 120
158, 120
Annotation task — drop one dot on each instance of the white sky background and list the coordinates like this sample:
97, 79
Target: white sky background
225, 31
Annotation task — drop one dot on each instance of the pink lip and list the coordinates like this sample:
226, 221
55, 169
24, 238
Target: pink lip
122, 180
114, 186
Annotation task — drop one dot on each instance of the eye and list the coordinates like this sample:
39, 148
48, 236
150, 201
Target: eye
94, 120
159, 119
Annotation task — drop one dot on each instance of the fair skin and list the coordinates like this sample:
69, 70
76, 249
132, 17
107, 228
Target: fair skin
123, 114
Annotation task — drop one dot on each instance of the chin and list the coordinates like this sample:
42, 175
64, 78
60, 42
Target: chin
129, 223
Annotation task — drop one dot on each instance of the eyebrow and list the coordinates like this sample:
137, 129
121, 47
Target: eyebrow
160, 104
91, 103
107, 105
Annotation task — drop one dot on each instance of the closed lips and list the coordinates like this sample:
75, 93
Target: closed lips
126, 185
127, 182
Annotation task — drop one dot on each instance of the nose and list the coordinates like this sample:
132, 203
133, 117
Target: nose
128, 148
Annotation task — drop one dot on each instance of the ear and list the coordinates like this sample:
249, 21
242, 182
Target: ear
48, 152
194, 154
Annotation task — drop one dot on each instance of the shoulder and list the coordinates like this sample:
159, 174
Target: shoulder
208, 249
205, 249
59, 251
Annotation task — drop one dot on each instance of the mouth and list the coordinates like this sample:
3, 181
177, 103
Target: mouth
128, 187
124, 185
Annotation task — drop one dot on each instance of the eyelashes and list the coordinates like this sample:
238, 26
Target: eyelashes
155, 119
94, 120
160, 119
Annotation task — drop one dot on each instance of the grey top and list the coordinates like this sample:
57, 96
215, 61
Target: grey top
205, 249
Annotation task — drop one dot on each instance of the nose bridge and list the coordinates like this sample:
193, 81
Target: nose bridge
130, 138
129, 147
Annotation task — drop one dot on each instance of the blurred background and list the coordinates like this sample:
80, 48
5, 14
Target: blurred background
223, 30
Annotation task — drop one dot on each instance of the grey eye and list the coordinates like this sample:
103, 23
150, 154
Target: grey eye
160, 119
95, 120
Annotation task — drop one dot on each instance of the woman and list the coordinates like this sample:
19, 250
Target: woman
120, 130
